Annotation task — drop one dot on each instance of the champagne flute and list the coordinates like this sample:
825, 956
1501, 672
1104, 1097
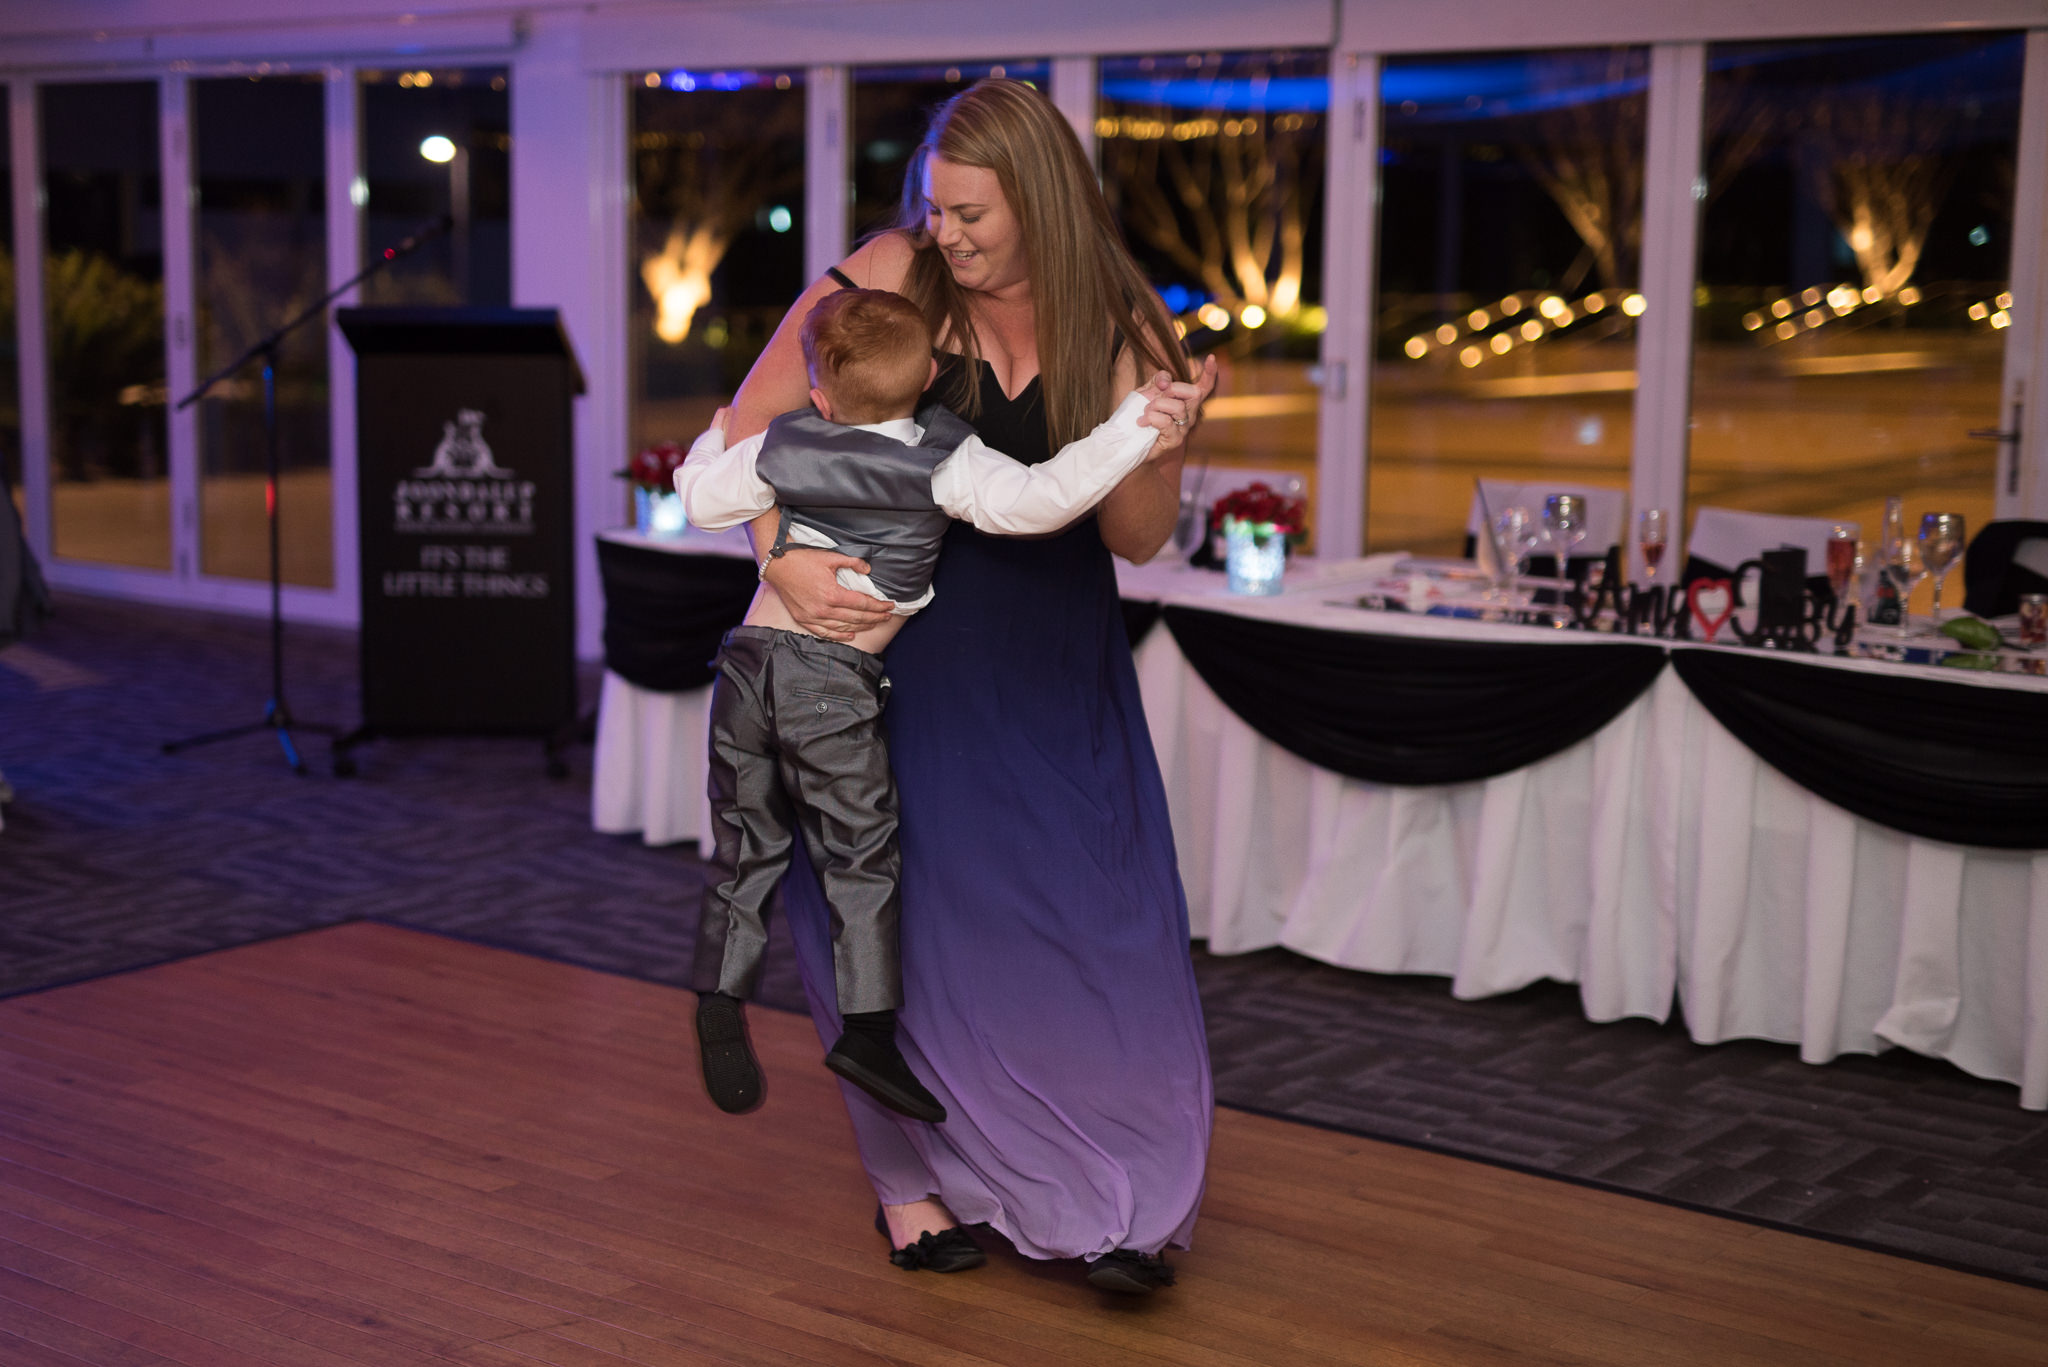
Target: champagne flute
1904, 570
1941, 545
1841, 552
1653, 532
1511, 536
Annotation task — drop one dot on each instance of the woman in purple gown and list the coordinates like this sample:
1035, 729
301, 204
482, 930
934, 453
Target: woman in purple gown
1049, 999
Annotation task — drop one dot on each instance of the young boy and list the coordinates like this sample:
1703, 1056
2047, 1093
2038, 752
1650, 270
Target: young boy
796, 721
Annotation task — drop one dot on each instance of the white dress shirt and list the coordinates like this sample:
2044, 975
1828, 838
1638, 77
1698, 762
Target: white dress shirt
720, 488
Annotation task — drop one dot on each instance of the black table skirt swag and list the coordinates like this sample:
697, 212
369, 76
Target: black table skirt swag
1396, 709
1943, 761
665, 614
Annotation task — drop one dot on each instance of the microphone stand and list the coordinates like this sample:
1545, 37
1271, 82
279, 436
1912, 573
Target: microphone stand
277, 715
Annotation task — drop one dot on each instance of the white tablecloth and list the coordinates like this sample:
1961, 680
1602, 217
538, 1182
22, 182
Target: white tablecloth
1659, 854
647, 773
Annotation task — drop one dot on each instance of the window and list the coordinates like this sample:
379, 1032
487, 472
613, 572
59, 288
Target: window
437, 143
1852, 302
892, 105
717, 237
104, 321
1510, 246
1213, 165
261, 243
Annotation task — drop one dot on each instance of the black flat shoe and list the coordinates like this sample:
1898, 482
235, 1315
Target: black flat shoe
949, 1250
731, 1072
1128, 1273
879, 1070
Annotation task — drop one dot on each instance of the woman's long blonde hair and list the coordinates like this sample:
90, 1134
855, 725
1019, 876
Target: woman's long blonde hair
1086, 290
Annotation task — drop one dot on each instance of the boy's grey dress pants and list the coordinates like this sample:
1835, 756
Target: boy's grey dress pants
797, 745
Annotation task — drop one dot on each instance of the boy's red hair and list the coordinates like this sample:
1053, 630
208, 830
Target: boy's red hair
870, 351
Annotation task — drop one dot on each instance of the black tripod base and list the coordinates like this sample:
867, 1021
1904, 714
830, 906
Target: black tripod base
276, 717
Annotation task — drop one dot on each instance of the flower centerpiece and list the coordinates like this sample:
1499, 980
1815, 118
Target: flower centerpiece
657, 508
1258, 524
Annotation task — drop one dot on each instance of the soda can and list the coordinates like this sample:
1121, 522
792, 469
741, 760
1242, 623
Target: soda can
2033, 619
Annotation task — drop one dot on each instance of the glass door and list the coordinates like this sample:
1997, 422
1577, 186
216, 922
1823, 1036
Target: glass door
1213, 164
437, 144
717, 245
104, 323
259, 149
1853, 304
1509, 256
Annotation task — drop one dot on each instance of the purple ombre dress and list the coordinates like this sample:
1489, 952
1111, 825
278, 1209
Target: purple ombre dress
1049, 1000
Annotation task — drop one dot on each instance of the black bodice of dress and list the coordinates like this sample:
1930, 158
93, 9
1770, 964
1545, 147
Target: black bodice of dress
1016, 427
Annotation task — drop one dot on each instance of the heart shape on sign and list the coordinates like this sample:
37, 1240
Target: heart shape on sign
1712, 602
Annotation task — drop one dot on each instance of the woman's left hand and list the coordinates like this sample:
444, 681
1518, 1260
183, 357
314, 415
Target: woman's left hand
1175, 406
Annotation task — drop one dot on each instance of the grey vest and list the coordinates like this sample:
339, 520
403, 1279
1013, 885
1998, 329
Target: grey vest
871, 494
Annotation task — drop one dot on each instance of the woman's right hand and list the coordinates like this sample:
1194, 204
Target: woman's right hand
807, 581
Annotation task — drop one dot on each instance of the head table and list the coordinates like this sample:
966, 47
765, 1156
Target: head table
1501, 804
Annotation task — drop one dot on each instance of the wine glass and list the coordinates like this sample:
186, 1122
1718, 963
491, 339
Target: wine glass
1867, 573
1511, 534
1564, 526
1653, 532
1941, 545
1190, 524
1903, 571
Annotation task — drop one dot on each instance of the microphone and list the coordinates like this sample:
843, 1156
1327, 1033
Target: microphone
422, 235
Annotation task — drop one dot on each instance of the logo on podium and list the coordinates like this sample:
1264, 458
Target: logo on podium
463, 450
463, 489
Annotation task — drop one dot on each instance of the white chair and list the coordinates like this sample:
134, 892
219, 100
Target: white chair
1726, 537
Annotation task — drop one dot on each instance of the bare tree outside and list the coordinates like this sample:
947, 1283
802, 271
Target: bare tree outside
1585, 150
700, 185
1225, 195
717, 245
1881, 177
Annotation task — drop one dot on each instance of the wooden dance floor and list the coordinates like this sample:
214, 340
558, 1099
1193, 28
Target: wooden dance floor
368, 1145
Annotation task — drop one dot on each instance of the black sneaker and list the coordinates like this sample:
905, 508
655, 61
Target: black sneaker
877, 1068
1128, 1273
731, 1072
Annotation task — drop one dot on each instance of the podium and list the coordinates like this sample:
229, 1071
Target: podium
465, 523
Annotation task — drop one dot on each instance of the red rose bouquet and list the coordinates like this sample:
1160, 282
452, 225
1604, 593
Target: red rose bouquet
1268, 512
654, 469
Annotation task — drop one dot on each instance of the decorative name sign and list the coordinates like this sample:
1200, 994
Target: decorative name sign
1787, 612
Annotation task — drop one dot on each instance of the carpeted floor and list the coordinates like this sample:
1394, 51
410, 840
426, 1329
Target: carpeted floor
114, 856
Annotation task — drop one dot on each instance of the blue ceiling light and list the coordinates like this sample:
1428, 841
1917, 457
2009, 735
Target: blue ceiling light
1279, 94
681, 80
